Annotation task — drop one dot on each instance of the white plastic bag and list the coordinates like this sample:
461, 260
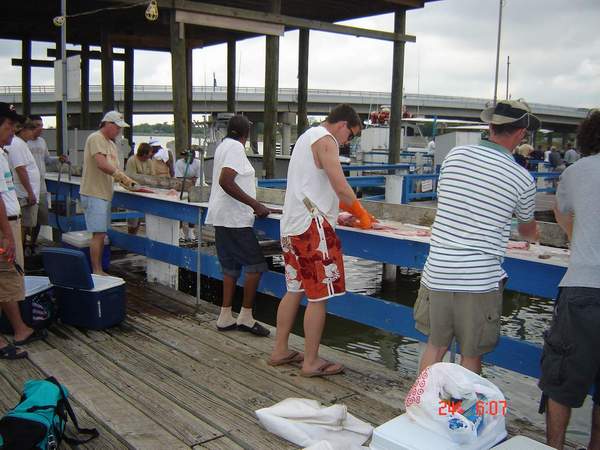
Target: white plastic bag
425, 406
306, 422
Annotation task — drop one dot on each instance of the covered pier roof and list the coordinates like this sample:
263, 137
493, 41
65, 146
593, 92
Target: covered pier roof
128, 26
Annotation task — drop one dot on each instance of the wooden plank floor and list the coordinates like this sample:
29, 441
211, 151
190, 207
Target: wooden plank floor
167, 379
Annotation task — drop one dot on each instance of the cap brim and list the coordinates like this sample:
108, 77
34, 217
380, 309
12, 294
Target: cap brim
534, 123
12, 115
121, 123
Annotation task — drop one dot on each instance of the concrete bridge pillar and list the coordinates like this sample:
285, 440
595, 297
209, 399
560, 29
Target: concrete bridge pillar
286, 119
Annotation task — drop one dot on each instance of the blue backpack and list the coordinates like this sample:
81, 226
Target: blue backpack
39, 419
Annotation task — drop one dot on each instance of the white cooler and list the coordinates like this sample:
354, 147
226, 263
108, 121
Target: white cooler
402, 433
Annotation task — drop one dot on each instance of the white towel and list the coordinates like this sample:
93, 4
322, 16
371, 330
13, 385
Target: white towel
306, 422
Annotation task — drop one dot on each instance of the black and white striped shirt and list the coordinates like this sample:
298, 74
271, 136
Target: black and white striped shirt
479, 189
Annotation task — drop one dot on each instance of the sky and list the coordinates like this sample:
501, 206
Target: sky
553, 45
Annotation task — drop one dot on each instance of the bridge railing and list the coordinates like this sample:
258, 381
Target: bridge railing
375, 97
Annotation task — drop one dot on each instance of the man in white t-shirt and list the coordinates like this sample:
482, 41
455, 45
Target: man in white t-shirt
12, 286
26, 175
231, 210
39, 149
314, 265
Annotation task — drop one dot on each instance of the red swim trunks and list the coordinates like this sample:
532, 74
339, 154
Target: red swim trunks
314, 263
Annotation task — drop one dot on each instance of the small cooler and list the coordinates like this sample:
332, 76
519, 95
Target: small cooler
80, 240
84, 299
37, 308
402, 433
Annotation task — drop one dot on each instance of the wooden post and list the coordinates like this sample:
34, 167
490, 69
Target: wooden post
128, 95
59, 121
26, 76
189, 61
108, 89
303, 81
397, 82
179, 82
84, 121
231, 75
271, 98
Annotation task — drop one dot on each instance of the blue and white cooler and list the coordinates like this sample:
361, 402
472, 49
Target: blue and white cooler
80, 240
85, 300
38, 309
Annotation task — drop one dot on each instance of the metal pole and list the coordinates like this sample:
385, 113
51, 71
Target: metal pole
507, 74
498, 52
63, 58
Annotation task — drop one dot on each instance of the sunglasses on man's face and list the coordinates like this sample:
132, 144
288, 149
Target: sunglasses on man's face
351, 136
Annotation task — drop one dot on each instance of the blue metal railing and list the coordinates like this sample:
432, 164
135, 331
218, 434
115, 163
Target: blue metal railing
534, 277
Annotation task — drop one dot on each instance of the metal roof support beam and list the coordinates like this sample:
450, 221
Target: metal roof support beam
397, 82
271, 98
278, 19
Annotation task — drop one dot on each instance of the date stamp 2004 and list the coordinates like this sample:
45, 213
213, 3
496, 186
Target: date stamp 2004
482, 408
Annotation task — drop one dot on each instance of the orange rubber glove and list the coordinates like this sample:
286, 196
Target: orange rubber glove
365, 220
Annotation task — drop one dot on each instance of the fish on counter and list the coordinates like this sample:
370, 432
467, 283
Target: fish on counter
348, 220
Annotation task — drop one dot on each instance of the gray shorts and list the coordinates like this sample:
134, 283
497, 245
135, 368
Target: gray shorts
473, 318
571, 360
237, 248
97, 214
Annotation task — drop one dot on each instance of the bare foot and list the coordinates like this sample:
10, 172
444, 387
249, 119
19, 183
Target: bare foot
318, 365
101, 272
23, 334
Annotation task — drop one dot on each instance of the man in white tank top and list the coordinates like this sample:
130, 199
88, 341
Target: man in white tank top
314, 266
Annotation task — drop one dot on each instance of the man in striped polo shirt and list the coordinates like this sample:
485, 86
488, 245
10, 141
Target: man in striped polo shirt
480, 188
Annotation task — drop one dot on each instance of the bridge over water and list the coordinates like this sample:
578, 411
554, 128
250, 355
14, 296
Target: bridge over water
157, 99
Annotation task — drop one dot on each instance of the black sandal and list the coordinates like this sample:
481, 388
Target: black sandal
35, 336
256, 329
11, 352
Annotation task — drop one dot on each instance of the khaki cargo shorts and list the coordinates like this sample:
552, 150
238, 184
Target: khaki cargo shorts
29, 214
473, 318
12, 283
42, 214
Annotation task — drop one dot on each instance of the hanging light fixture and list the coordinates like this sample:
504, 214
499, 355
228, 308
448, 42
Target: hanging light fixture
152, 11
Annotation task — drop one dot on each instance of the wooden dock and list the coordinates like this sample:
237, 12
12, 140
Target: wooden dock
167, 379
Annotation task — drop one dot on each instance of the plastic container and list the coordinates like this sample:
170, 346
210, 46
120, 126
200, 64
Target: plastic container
85, 300
38, 290
80, 240
402, 433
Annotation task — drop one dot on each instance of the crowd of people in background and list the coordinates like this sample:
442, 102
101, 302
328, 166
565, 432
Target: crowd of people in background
558, 160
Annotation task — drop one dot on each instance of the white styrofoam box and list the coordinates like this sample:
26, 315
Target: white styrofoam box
80, 239
522, 443
35, 285
402, 433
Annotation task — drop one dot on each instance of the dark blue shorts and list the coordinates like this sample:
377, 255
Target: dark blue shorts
237, 248
571, 359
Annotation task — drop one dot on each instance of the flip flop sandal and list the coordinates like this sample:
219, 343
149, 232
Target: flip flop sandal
322, 370
35, 336
231, 327
293, 357
11, 352
256, 329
